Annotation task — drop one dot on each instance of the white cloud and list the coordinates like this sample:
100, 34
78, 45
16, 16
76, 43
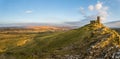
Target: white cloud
93, 11
105, 8
103, 13
28, 11
91, 7
98, 6
97, 10
81, 8
82, 11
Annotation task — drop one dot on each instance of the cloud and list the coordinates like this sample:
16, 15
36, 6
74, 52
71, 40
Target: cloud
28, 11
103, 13
98, 6
98, 10
82, 11
91, 7
93, 11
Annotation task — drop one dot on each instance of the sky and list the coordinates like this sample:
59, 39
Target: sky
57, 11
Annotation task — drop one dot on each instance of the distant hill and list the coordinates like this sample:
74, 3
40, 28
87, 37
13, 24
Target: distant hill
113, 24
33, 24
91, 41
46, 28
33, 29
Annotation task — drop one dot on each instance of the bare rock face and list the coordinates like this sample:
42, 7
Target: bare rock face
106, 45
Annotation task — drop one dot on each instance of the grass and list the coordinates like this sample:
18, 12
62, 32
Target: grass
48, 44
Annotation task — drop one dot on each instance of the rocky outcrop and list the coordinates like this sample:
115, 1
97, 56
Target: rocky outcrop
101, 43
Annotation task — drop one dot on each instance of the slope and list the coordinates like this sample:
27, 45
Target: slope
91, 41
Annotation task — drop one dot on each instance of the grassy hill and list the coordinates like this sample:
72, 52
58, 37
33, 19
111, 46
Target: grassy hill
88, 42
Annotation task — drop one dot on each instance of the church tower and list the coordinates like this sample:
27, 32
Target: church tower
98, 19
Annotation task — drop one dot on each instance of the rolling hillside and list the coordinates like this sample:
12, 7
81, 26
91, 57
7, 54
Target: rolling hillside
47, 28
91, 41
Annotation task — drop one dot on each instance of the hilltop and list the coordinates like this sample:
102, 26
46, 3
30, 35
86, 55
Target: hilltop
91, 41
